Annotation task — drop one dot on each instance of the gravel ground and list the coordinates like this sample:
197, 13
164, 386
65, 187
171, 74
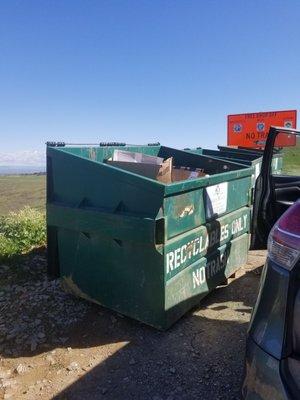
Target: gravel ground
55, 346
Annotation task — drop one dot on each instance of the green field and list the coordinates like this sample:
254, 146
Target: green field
291, 160
17, 191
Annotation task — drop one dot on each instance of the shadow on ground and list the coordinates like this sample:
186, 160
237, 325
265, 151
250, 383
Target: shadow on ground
200, 357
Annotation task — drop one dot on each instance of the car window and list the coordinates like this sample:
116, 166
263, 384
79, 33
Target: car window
286, 155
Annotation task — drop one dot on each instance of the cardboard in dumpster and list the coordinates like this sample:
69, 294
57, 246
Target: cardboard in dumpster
138, 163
134, 157
147, 170
153, 167
168, 173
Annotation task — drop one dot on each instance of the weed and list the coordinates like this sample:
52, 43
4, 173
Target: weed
21, 232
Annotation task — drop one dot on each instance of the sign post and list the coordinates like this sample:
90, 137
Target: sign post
251, 129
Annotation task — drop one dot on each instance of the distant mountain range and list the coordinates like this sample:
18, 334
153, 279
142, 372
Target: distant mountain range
23, 158
21, 169
22, 162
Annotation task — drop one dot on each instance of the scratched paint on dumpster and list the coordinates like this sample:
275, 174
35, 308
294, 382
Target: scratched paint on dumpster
208, 272
206, 205
188, 248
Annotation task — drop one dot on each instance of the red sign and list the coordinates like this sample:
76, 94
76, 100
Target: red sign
251, 130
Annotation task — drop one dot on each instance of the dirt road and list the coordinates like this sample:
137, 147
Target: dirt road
53, 345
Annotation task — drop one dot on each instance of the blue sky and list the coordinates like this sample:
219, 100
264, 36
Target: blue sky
142, 71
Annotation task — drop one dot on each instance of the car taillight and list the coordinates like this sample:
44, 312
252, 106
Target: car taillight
284, 238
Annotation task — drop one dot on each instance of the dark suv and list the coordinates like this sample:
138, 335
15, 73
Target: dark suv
273, 344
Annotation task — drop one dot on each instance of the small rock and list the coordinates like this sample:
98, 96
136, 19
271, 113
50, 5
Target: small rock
113, 319
73, 366
132, 361
69, 349
172, 370
8, 383
50, 360
21, 369
104, 390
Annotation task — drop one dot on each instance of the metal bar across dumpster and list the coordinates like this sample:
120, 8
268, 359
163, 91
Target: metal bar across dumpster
143, 248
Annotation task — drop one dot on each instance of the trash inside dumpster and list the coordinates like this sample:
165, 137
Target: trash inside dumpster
148, 242
153, 167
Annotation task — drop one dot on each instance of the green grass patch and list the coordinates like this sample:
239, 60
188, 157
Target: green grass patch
21, 232
18, 191
291, 159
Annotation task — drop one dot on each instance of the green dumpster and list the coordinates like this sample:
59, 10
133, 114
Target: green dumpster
276, 162
246, 158
143, 248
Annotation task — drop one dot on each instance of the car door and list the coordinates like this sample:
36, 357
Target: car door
278, 184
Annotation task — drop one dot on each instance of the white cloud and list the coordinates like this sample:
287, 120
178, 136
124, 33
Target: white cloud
24, 158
